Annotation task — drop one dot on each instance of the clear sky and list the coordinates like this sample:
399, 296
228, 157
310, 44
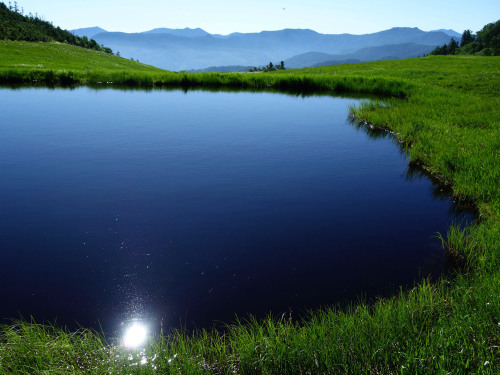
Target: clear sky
227, 16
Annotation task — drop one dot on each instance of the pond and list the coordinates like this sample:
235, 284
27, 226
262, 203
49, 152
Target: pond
182, 209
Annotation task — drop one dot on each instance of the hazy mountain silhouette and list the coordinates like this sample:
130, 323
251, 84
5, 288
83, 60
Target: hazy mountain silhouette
386, 52
223, 69
89, 32
451, 33
187, 32
187, 49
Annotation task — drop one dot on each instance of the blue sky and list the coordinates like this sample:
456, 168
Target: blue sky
227, 16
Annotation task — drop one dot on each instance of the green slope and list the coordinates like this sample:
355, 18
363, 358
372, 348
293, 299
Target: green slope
63, 57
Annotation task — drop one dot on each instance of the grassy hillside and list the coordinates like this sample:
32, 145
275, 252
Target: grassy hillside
14, 25
446, 112
27, 61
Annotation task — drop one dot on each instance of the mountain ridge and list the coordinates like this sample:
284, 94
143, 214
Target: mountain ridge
89, 32
189, 49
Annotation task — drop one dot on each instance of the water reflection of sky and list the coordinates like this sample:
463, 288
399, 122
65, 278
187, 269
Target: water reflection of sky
180, 209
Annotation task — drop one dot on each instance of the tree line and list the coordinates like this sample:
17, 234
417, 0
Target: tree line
269, 67
15, 25
486, 43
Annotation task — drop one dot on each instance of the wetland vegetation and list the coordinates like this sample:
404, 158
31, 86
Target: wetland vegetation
445, 110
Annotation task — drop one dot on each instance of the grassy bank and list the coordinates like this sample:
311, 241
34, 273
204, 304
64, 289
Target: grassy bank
448, 119
62, 64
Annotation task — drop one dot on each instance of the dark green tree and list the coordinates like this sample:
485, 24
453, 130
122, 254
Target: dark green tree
467, 38
486, 42
489, 39
15, 26
442, 50
452, 47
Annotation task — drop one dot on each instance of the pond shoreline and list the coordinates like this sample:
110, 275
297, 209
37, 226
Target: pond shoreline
447, 326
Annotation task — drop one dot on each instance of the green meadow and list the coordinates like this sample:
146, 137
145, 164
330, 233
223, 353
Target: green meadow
444, 110
28, 57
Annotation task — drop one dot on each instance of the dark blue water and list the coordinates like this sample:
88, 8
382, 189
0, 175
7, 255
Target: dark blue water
189, 208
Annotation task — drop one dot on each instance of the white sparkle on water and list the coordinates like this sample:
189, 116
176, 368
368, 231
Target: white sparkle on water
135, 336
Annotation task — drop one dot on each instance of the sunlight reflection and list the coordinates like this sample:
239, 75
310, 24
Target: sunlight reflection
135, 335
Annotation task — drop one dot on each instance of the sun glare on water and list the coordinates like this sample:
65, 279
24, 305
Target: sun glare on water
135, 335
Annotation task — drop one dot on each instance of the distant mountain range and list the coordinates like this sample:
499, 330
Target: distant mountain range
196, 49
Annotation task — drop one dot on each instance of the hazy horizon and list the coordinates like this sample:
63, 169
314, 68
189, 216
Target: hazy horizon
250, 32
226, 17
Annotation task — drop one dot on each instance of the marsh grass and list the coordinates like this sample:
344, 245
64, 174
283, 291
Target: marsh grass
433, 328
444, 111
459, 245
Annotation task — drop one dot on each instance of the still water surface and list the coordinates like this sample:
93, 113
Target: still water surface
188, 208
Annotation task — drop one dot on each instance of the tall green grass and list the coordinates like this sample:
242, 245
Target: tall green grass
433, 328
445, 111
